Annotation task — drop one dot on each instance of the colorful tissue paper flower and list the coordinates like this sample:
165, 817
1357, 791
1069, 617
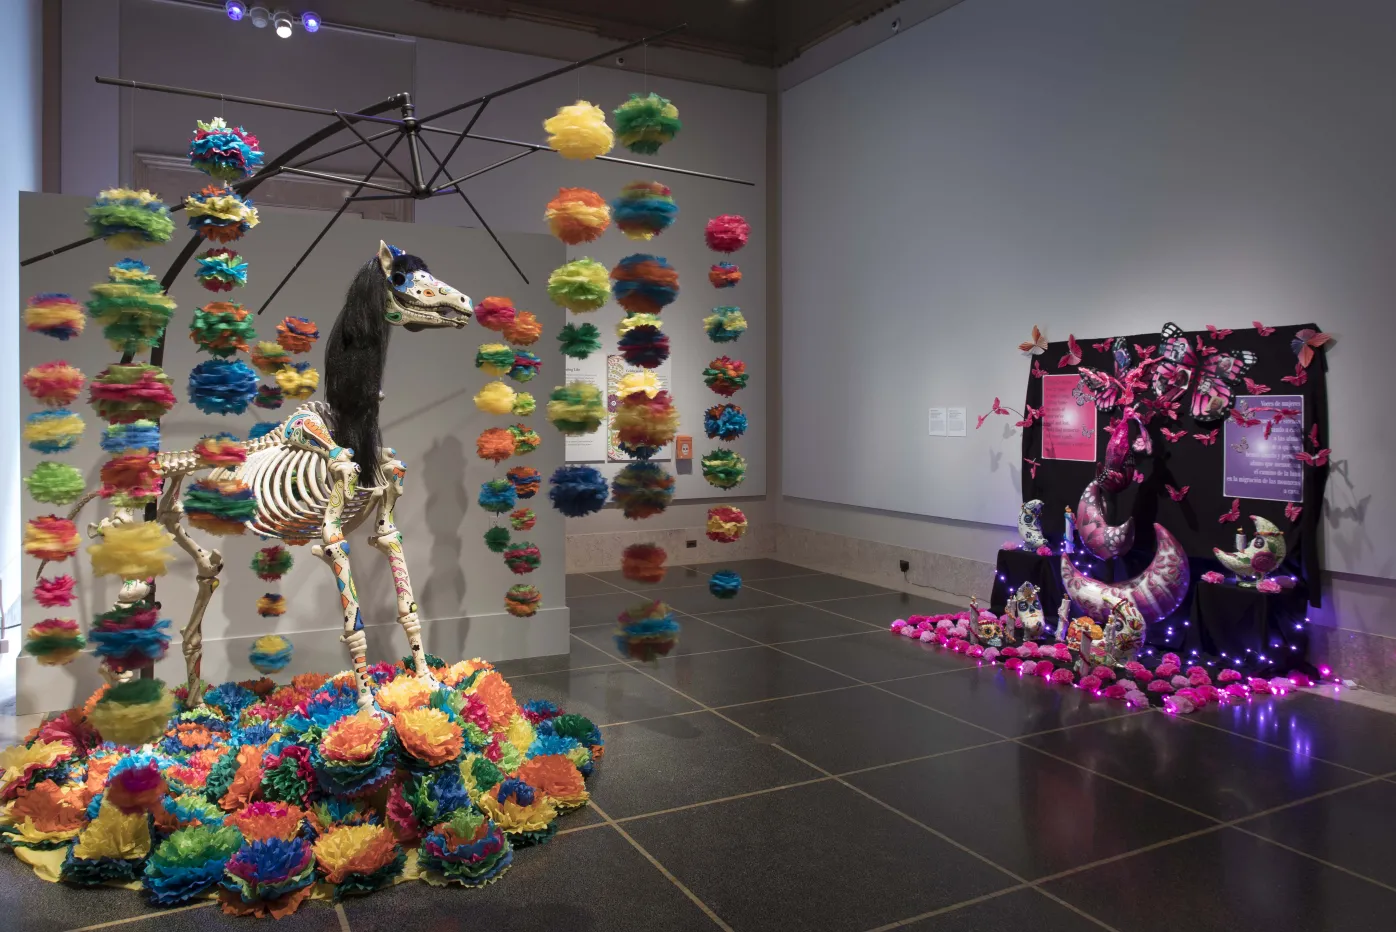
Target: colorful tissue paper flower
220, 269
126, 393
525, 329
1212, 576
577, 215
523, 519
524, 404
55, 384
270, 653
725, 584
129, 637
222, 386
135, 784
580, 285
221, 449
222, 328
725, 376
576, 408
220, 506
271, 605
188, 863
53, 431
428, 736
468, 849
497, 496
643, 563
525, 814
263, 820
54, 315
271, 563
134, 712
644, 423
56, 592
131, 306
522, 600
354, 758
298, 381
644, 284
111, 847
219, 214
643, 343
577, 490
726, 525
494, 313
138, 436
495, 398
726, 233
495, 444
53, 483
138, 550
525, 367
526, 439
494, 358
724, 275
646, 631
724, 324
642, 490
269, 358
224, 152
644, 209
358, 859
131, 478
579, 340
643, 124
526, 480
54, 642
579, 131
1269, 586
497, 539
129, 219
50, 538
555, 776
522, 557
724, 422
268, 878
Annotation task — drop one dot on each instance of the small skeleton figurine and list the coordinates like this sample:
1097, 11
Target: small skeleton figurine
1024, 611
1069, 538
1063, 619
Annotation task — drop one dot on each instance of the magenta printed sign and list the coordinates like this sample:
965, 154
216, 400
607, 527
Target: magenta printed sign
1260, 466
1068, 421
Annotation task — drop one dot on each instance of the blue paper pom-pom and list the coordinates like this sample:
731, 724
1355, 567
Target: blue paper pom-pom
577, 490
123, 438
261, 429
497, 496
724, 422
222, 386
725, 584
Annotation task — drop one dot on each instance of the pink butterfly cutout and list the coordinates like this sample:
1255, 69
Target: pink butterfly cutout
1104, 345
1177, 494
1032, 466
1208, 438
982, 419
1073, 353
1314, 459
1280, 415
1037, 371
1173, 435
1138, 476
1254, 387
1301, 375
1306, 341
1234, 514
1292, 511
1244, 419
1038, 343
1144, 351
1217, 334
1030, 414
1203, 349
1262, 329
1313, 434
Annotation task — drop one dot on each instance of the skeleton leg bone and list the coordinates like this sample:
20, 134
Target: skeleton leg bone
335, 552
207, 565
388, 540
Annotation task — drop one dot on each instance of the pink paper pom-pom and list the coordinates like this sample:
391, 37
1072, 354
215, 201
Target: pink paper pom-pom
1206, 692
1144, 677
1130, 685
1029, 649
1090, 682
1268, 585
1045, 669
906, 631
1213, 577
1180, 682
941, 639
991, 654
1116, 691
1137, 700
1044, 551
1028, 667
1300, 681
1012, 663
1166, 670
1009, 652
1229, 676
1236, 691
927, 636
1199, 678
1280, 685
898, 625
1103, 673
1133, 667
1172, 658
1178, 705
1160, 686
1010, 545
944, 624
726, 233
1062, 652
975, 651
1258, 684
1063, 676
1195, 669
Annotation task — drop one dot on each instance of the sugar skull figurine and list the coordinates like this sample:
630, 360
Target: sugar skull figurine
1030, 525
1025, 612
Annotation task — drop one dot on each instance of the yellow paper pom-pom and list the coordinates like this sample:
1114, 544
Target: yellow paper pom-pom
494, 359
131, 551
644, 381
429, 736
133, 713
495, 398
114, 835
403, 694
513, 817
579, 131
298, 381
349, 850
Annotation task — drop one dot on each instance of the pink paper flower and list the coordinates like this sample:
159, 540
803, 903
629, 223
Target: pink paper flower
1116, 691
975, 650
1179, 682
899, 624
1228, 676
1143, 677
1103, 673
1063, 676
1044, 551
907, 631
1062, 653
1130, 686
926, 637
1258, 684
1213, 577
1195, 669
917, 620
1028, 667
1166, 670
1199, 678
1045, 669
1178, 705
991, 654
1160, 686
944, 624
1011, 545
959, 631
941, 639
1090, 682
1009, 652
1280, 685
1210, 693
1134, 668
1268, 585
1300, 681
1029, 649
1172, 658
1236, 691
1137, 700
1012, 663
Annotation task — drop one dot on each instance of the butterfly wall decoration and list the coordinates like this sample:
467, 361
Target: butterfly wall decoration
1177, 494
1292, 511
1174, 435
1254, 387
1032, 466
1305, 342
1319, 458
1113, 391
1209, 376
1301, 375
1037, 345
1234, 514
1216, 333
1262, 329
1208, 438
1073, 353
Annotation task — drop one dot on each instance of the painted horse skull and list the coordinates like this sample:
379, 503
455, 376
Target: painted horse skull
417, 300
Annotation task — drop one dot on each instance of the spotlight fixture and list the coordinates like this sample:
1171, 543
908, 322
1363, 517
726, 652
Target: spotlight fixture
235, 9
282, 20
310, 21
259, 16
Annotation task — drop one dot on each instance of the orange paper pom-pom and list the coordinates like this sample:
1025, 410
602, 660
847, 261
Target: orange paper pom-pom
577, 215
643, 563
525, 330
496, 444
53, 383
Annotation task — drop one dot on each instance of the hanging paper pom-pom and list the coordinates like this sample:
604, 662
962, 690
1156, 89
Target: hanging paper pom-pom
522, 520
644, 209
579, 131
522, 557
577, 490
644, 284
131, 306
525, 330
131, 551
576, 408
580, 285
220, 506
188, 863
525, 367
297, 334
53, 431
495, 313
271, 563
577, 216
494, 358
725, 584
724, 469
222, 386
58, 591
524, 404
261, 429
131, 478
222, 449
55, 483
521, 601
495, 398
644, 424
51, 538
647, 631
526, 439
221, 269
224, 152
134, 712
727, 233
497, 496
54, 315
579, 340
497, 539
526, 480
270, 653
128, 219
725, 376
724, 324
642, 490
219, 214
269, 358
643, 563
495, 445
724, 275
298, 381
54, 641
222, 328
126, 393
726, 525
724, 422
271, 605
130, 636
644, 345
643, 124
269, 397
53, 383
268, 878
138, 436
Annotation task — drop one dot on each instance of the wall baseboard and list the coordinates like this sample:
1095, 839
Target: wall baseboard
601, 551
937, 575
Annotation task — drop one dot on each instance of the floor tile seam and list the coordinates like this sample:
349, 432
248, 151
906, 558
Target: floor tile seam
1190, 720
812, 692
917, 676
652, 718
1076, 909
922, 757
1133, 852
822, 637
950, 908
594, 666
1111, 718
581, 828
1335, 791
142, 918
723, 799
1315, 858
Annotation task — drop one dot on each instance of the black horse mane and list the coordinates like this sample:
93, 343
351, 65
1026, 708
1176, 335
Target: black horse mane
354, 358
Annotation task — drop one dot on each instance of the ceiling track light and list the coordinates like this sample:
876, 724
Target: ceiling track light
282, 22
259, 16
235, 10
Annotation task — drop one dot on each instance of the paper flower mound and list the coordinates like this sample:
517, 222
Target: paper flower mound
725, 376
526, 439
497, 539
133, 712
467, 849
647, 631
644, 209
526, 480
53, 383
298, 381
55, 483
579, 131
222, 386
54, 315
297, 334
522, 520
495, 444
220, 269
495, 313
130, 636
644, 284
525, 367
268, 878
579, 340
219, 214
724, 469
524, 331
131, 551
497, 496
726, 525
50, 538
128, 219
725, 584
53, 431
724, 324
494, 358
724, 422
643, 563
576, 408
580, 285
269, 358
643, 124
270, 653
577, 490
54, 641
522, 600
188, 863
642, 490
51, 593
726, 233
219, 506
222, 328
522, 557
724, 275
577, 215
224, 152
126, 393
359, 859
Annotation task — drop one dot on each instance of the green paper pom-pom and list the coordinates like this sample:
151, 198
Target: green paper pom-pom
497, 539
643, 124
580, 285
129, 219
55, 483
576, 408
579, 340
131, 307
724, 469
495, 358
524, 404
221, 328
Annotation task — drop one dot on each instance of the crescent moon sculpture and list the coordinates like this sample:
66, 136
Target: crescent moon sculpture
1156, 592
1100, 538
1262, 556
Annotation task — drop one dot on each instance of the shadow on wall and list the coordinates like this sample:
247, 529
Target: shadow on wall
442, 478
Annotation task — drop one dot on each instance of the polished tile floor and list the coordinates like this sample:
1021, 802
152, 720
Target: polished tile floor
793, 766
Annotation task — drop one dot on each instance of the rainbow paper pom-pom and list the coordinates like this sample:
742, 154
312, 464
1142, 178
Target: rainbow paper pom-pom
577, 215
220, 506
219, 214
224, 152
495, 398
579, 131
53, 383
526, 480
724, 469
521, 601
494, 358
359, 859
126, 393
724, 422
726, 233
131, 551
495, 444
50, 538
526, 439
271, 605
497, 539
269, 358
579, 340
54, 641
724, 275
222, 449
271, 563
644, 209
467, 849
644, 284
726, 525
55, 483
495, 313
647, 631
644, 420
725, 376
580, 285
138, 436
269, 397
497, 496
221, 269
298, 381
642, 343
53, 431
222, 328
523, 519
131, 307
525, 330
222, 386
188, 863
522, 557
271, 877
724, 324
270, 653
644, 563
134, 712
128, 219
642, 490
131, 478
643, 124
58, 591
297, 334
576, 408
725, 584
54, 315
130, 636
524, 404
577, 490
525, 367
